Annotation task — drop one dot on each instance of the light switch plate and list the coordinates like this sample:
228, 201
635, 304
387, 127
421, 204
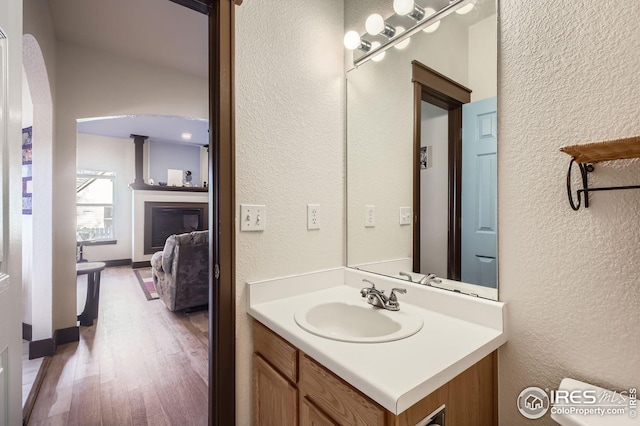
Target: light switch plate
253, 217
369, 216
405, 215
313, 216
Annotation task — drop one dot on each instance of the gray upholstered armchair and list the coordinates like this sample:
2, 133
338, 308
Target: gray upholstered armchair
181, 271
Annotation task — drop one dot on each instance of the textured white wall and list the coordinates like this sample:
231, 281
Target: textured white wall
289, 147
102, 153
568, 74
97, 84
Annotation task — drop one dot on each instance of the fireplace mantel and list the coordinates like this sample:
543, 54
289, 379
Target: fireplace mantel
146, 187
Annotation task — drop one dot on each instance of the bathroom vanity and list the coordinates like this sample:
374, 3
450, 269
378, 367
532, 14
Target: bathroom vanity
301, 377
290, 388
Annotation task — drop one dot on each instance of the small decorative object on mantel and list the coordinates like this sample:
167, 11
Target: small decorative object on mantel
187, 178
587, 154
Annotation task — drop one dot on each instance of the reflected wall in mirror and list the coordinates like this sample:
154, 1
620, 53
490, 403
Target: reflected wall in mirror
421, 158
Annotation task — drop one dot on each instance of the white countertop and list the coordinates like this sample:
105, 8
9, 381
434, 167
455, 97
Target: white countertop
394, 374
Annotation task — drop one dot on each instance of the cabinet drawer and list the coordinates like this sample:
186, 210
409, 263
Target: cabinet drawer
310, 415
336, 398
276, 350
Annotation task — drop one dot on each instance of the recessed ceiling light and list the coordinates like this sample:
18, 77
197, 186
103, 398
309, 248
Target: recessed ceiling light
186, 136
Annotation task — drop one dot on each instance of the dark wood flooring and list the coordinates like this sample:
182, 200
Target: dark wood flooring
139, 364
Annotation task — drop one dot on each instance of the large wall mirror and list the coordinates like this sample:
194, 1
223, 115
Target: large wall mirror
421, 156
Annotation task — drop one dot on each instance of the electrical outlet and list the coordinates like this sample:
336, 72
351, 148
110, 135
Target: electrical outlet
405, 215
253, 217
313, 216
369, 216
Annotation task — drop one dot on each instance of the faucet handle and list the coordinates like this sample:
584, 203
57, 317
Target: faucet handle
373, 286
393, 297
365, 291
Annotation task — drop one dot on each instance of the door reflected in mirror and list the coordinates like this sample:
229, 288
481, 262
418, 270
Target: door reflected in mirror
421, 157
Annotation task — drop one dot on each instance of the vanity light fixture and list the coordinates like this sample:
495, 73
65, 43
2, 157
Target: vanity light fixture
375, 25
403, 43
408, 8
433, 27
353, 41
466, 8
427, 20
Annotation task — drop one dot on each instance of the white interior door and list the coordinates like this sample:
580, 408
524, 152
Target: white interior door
479, 193
10, 294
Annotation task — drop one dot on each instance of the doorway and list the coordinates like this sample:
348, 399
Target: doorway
444, 97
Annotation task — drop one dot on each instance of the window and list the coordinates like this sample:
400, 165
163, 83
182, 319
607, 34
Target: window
94, 205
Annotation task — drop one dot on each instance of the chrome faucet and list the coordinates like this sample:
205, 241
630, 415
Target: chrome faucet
428, 279
377, 297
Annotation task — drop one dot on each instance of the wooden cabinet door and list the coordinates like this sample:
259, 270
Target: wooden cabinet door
310, 415
275, 400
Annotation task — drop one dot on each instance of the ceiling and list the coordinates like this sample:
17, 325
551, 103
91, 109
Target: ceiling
159, 32
156, 31
159, 128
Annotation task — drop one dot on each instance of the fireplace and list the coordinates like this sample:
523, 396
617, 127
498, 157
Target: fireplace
162, 219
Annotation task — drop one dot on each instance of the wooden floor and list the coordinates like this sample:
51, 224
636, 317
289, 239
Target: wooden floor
140, 364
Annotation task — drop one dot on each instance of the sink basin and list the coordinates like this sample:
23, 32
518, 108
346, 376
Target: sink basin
357, 323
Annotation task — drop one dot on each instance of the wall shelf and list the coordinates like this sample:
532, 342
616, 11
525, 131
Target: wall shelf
585, 155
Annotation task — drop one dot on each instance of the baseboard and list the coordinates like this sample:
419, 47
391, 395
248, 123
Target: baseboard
40, 348
143, 264
47, 347
117, 262
66, 335
27, 332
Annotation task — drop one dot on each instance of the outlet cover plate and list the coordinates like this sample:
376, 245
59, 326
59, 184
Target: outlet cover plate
369, 216
313, 216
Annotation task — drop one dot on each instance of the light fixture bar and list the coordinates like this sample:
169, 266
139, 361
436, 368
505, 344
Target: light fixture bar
445, 11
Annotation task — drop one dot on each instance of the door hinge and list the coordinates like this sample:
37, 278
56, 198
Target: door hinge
216, 272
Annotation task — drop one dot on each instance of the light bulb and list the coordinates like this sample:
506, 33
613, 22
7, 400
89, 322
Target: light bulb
428, 11
431, 28
352, 40
379, 56
403, 7
466, 8
403, 43
374, 24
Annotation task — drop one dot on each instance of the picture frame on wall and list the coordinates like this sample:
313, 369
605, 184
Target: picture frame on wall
27, 171
424, 157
